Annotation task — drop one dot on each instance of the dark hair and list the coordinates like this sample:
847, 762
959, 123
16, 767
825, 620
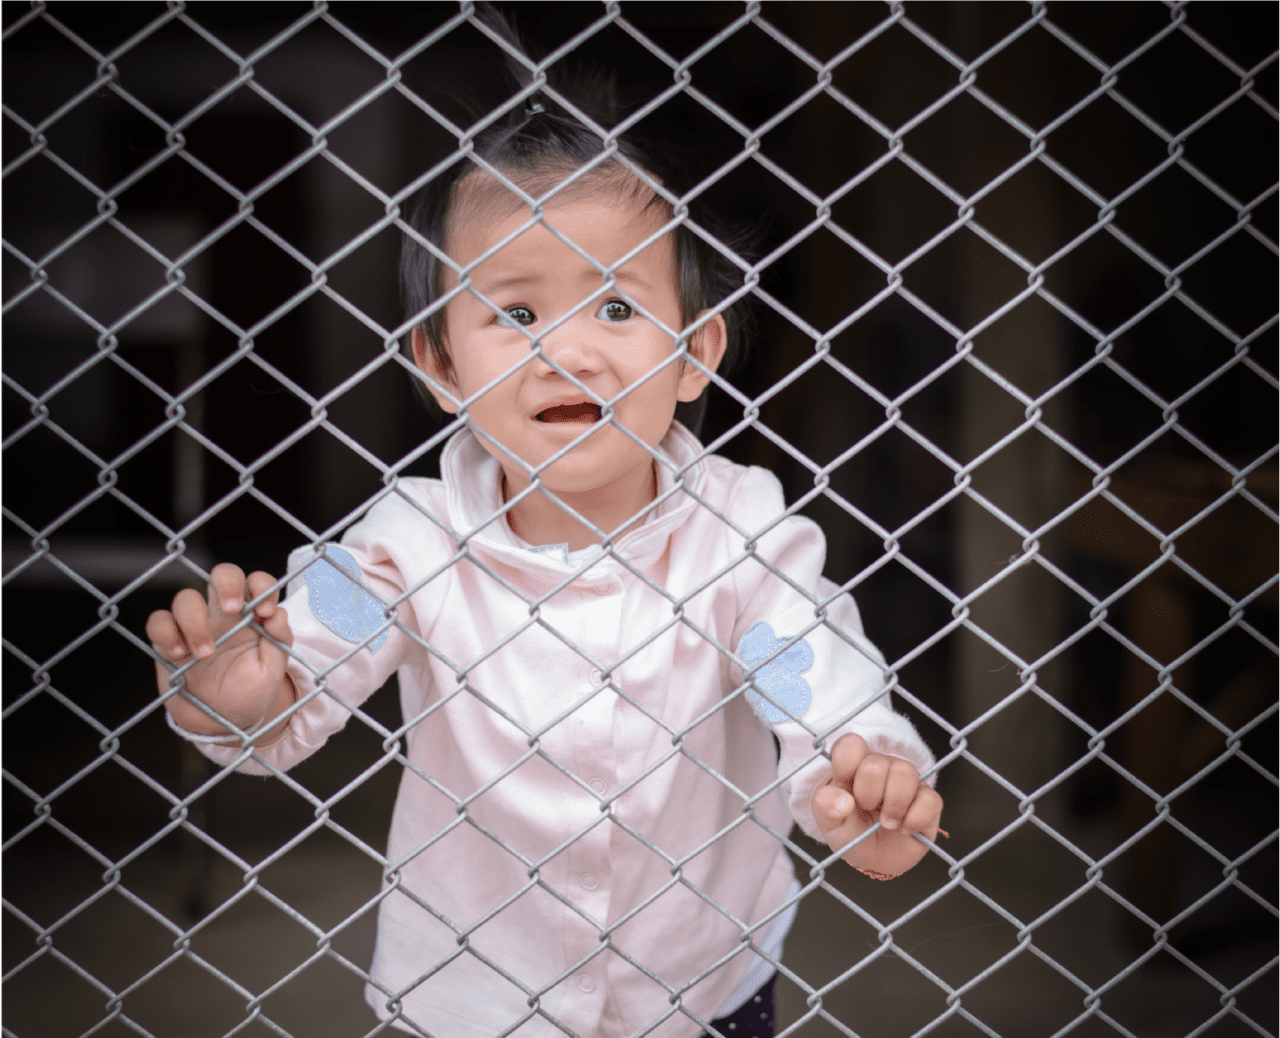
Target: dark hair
537, 146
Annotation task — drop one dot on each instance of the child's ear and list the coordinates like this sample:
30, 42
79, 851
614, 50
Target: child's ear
429, 365
707, 344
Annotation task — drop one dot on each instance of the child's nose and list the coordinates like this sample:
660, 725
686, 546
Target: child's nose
570, 346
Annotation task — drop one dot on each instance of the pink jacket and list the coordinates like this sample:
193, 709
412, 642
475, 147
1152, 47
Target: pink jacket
591, 809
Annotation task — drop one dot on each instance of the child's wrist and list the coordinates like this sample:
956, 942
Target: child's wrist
198, 726
286, 695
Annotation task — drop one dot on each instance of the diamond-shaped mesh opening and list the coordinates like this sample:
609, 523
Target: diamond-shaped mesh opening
1010, 281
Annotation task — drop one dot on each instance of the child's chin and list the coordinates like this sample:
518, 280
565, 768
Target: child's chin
582, 469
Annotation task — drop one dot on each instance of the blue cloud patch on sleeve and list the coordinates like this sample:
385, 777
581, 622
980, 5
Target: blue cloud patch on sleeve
339, 603
780, 678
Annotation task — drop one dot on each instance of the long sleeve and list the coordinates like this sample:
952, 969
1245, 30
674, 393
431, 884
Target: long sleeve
337, 604
815, 675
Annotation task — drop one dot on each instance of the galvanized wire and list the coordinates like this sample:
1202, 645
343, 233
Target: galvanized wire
967, 84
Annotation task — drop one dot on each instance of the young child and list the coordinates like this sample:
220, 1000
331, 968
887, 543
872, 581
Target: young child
599, 630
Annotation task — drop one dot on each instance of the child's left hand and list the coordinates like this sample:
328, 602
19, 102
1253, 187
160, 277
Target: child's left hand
866, 788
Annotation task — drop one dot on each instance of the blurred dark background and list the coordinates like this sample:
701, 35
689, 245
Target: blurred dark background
1155, 348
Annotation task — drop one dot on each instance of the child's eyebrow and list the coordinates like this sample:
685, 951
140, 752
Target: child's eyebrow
501, 281
631, 277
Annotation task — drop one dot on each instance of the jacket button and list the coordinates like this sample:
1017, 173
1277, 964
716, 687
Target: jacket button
585, 983
599, 785
589, 881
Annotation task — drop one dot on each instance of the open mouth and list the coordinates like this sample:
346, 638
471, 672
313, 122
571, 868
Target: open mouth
587, 413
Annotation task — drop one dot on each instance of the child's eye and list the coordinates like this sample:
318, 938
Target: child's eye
521, 314
614, 310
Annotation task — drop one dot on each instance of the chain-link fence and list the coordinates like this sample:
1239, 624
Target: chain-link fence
1015, 352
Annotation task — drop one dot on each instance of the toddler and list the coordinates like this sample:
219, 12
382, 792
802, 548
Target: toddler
599, 631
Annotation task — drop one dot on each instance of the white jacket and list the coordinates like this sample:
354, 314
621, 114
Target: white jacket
591, 811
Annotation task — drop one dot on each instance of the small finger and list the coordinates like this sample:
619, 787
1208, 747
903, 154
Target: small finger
846, 755
869, 782
924, 814
165, 637
258, 583
192, 616
277, 625
832, 806
899, 793
226, 587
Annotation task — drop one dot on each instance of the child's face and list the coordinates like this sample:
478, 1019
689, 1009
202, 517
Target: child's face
536, 280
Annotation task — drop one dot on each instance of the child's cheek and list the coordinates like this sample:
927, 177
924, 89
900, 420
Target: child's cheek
490, 354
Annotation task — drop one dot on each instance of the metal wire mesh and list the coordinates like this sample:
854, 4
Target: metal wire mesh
1187, 541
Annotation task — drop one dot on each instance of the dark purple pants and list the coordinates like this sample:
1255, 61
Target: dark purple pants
753, 1019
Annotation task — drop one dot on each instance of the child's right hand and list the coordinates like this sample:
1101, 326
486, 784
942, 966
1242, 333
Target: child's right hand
244, 678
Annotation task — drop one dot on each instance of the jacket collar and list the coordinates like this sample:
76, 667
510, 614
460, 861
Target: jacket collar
472, 478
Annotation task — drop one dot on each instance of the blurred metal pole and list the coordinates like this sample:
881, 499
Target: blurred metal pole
188, 455
1026, 478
